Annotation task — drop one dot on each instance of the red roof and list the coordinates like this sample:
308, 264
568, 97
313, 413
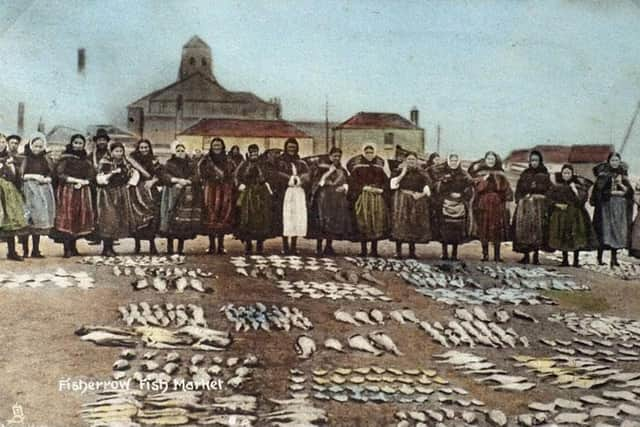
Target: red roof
590, 153
518, 156
245, 128
554, 153
364, 120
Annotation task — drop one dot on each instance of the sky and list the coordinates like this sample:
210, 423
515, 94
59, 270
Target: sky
500, 74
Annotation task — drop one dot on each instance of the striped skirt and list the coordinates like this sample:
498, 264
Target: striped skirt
74, 211
371, 216
218, 213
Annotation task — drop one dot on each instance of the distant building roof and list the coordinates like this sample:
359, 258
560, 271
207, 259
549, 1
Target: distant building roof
245, 128
554, 153
590, 153
558, 154
61, 134
364, 120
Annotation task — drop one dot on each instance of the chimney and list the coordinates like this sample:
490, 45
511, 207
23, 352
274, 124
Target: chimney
414, 115
81, 60
20, 129
41, 126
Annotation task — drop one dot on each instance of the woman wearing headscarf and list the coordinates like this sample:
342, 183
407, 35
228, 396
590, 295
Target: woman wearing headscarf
330, 217
75, 216
531, 218
116, 218
12, 210
181, 201
288, 180
144, 195
235, 155
490, 211
411, 207
254, 202
216, 171
612, 197
37, 172
368, 193
454, 192
570, 228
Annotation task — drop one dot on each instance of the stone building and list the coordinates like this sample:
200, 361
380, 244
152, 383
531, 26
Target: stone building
163, 114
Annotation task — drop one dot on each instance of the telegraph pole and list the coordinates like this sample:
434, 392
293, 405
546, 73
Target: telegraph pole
438, 131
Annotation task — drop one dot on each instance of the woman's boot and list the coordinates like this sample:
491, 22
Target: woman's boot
35, 253
525, 259
169, 246
614, 258
399, 250
599, 256
107, 248
374, 248
221, 250
319, 247
485, 251
294, 244
73, 247
445, 252
565, 259
11, 250
536, 257
248, 247
412, 251
180, 246
259, 246
285, 245
136, 247
454, 252
212, 245
328, 248
24, 241
363, 249
576, 258
152, 247
66, 244
496, 252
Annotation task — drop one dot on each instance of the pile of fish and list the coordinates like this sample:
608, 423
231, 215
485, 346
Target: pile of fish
531, 278
447, 416
273, 267
298, 411
577, 372
601, 349
162, 279
190, 336
258, 316
331, 290
604, 327
375, 342
479, 366
136, 407
143, 314
629, 268
59, 278
379, 385
134, 261
172, 368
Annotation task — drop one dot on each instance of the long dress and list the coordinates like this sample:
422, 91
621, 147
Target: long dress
634, 245
454, 192
289, 205
490, 211
329, 213
40, 204
145, 201
531, 218
570, 229
613, 213
75, 214
218, 210
180, 208
411, 218
368, 193
115, 213
12, 212
254, 202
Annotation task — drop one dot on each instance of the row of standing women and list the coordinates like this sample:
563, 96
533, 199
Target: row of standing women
106, 195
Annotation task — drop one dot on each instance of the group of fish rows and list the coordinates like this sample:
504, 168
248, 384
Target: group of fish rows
604, 327
531, 278
380, 385
258, 317
600, 348
187, 337
569, 372
164, 278
611, 408
168, 314
446, 416
331, 290
629, 269
132, 408
59, 278
170, 367
255, 265
134, 261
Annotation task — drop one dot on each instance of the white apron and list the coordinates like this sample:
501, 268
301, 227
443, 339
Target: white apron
294, 211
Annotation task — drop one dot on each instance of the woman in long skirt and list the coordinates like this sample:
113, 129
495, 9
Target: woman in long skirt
411, 207
368, 194
216, 171
570, 228
454, 192
36, 172
12, 211
145, 196
330, 217
289, 180
531, 219
181, 202
612, 197
490, 211
254, 202
75, 215
116, 218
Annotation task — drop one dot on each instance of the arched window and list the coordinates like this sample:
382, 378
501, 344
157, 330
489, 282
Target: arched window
192, 61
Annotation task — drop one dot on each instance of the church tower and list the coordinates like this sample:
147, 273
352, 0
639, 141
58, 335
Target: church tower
196, 58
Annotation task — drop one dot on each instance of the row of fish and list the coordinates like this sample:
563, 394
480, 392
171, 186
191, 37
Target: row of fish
599, 348
168, 314
606, 328
135, 407
331, 290
493, 296
134, 261
59, 278
445, 416
275, 262
627, 270
374, 316
531, 278
190, 336
298, 411
258, 317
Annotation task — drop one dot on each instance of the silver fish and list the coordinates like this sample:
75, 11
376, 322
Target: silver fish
377, 315
305, 346
363, 317
358, 342
345, 317
333, 344
383, 341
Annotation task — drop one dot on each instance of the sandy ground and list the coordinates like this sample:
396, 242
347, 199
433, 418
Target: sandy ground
40, 349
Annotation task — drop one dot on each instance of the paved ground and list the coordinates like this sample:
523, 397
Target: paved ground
40, 348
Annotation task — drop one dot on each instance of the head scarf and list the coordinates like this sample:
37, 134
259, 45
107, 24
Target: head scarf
285, 153
68, 149
220, 157
449, 157
175, 144
28, 148
146, 161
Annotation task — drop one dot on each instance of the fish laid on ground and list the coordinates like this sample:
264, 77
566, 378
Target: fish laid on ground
377, 315
333, 344
384, 342
305, 346
363, 317
358, 342
345, 317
